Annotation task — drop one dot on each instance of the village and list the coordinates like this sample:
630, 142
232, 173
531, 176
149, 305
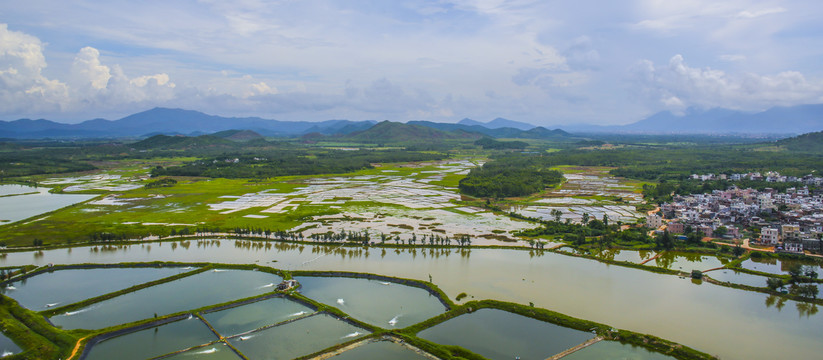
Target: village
788, 221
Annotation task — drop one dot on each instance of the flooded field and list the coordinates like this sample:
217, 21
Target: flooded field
211, 287
63, 287
297, 338
498, 334
19, 203
589, 191
380, 303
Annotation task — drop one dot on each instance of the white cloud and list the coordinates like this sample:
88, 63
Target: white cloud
678, 85
22, 83
732, 57
750, 14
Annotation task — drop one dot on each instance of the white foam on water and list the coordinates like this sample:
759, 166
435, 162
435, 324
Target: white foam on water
11, 287
246, 337
393, 320
6, 353
207, 351
71, 313
299, 313
354, 334
385, 283
265, 286
341, 301
52, 305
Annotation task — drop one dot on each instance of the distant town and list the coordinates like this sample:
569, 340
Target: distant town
785, 221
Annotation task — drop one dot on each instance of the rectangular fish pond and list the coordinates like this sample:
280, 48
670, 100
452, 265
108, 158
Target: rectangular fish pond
7, 347
298, 338
63, 287
615, 350
498, 334
248, 317
379, 350
154, 341
381, 303
207, 288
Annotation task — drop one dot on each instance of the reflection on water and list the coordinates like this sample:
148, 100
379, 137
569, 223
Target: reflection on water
614, 295
777, 266
687, 261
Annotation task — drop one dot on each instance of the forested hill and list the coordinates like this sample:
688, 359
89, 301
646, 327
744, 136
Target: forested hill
806, 143
181, 142
392, 132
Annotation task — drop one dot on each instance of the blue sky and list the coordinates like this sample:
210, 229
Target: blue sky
544, 62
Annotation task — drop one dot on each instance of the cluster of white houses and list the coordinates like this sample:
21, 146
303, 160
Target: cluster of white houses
791, 221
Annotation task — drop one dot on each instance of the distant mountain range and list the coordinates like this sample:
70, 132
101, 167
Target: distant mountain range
777, 120
171, 121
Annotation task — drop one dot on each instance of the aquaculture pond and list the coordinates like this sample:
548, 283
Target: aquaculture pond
217, 351
608, 350
248, 317
298, 338
33, 202
380, 350
737, 277
497, 334
778, 266
207, 288
63, 287
7, 347
152, 342
686, 262
381, 303
680, 311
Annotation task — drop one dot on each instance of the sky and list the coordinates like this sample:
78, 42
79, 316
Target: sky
544, 62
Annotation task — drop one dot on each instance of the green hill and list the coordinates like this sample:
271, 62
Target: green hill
393, 132
181, 142
238, 135
806, 143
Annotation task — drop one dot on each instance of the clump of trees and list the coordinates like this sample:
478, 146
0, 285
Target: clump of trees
515, 175
165, 182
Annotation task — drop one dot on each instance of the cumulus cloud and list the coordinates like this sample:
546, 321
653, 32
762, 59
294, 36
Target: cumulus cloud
22, 83
678, 85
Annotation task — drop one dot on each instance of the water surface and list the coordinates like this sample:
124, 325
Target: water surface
497, 334
7, 346
154, 341
210, 287
380, 303
633, 299
252, 316
298, 338
19, 207
613, 350
379, 351
63, 287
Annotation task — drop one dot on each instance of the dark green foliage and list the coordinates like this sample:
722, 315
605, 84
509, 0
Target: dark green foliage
514, 175
167, 182
807, 143
273, 163
491, 144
